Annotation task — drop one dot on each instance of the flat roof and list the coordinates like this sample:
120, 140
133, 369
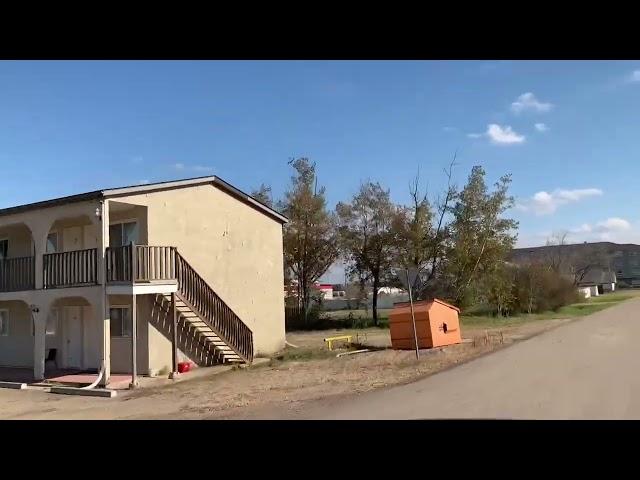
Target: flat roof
147, 188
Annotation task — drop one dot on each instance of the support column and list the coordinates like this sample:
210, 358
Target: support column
174, 337
134, 341
39, 232
39, 316
102, 306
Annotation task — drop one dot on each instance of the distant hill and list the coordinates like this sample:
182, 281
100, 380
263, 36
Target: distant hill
623, 259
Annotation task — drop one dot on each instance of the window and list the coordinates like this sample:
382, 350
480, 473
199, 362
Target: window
122, 234
4, 248
4, 323
52, 322
52, 242
120, 321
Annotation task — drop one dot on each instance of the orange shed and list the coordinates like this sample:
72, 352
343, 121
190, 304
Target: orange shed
437, 324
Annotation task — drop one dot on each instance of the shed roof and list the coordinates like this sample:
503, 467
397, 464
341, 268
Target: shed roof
428, 303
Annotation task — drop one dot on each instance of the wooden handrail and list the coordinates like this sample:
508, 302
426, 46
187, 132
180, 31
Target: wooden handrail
17, 274
74, 268
140, 263
145, 263
196, 292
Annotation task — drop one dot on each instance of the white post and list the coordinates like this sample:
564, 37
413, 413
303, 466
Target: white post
102, 307
413, 317
134, 341
39, 316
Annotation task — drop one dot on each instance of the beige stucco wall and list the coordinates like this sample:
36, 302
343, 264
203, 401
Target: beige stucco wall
236, 248
16, 349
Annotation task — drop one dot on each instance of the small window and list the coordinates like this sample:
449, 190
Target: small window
4, 323
52, 242
52, 322
120, 321
4, 248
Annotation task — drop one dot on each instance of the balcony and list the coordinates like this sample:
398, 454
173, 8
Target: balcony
17, 274
77, 268
129, 265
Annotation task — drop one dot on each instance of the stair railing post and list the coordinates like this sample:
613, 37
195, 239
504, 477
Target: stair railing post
174, 338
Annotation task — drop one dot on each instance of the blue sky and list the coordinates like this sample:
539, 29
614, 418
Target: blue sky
68, 127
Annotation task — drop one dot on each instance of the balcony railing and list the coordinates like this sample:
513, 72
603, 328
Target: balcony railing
17, 274
70, 269
140, 264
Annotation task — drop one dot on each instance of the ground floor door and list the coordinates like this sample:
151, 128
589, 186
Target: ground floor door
74, 336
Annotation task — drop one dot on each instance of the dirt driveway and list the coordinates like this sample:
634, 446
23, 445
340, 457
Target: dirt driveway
283, 385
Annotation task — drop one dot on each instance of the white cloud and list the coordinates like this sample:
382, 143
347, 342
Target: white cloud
144, 182
545, 203
613, 224
529, 102
541, 127
614, 229
474, 135
178, 166
449, 129
634, 76
503, 135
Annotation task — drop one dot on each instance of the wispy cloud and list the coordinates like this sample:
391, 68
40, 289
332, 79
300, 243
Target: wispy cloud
545, 203
474, 135
201, 168
527, 102
449, 129
503, 135
541, 127
192, 168
144, 182
137, 159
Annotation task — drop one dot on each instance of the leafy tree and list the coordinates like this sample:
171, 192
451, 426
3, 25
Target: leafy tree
480, 236
366, 237
500, 290
263, 195
309, 238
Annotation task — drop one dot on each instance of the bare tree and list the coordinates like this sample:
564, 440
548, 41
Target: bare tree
263, 195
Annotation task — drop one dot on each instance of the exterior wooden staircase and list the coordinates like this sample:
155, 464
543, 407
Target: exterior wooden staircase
189, 320
221, 333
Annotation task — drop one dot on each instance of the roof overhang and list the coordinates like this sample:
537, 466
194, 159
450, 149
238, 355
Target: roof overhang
152, 187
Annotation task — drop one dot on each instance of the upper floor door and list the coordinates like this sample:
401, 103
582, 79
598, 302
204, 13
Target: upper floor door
122, 234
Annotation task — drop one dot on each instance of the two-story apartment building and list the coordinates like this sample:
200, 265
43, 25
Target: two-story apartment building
188, 269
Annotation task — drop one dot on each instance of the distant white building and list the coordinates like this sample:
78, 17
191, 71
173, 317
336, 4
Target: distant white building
585, 292
390, 291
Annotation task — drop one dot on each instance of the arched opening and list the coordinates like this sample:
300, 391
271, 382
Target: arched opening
17, 263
